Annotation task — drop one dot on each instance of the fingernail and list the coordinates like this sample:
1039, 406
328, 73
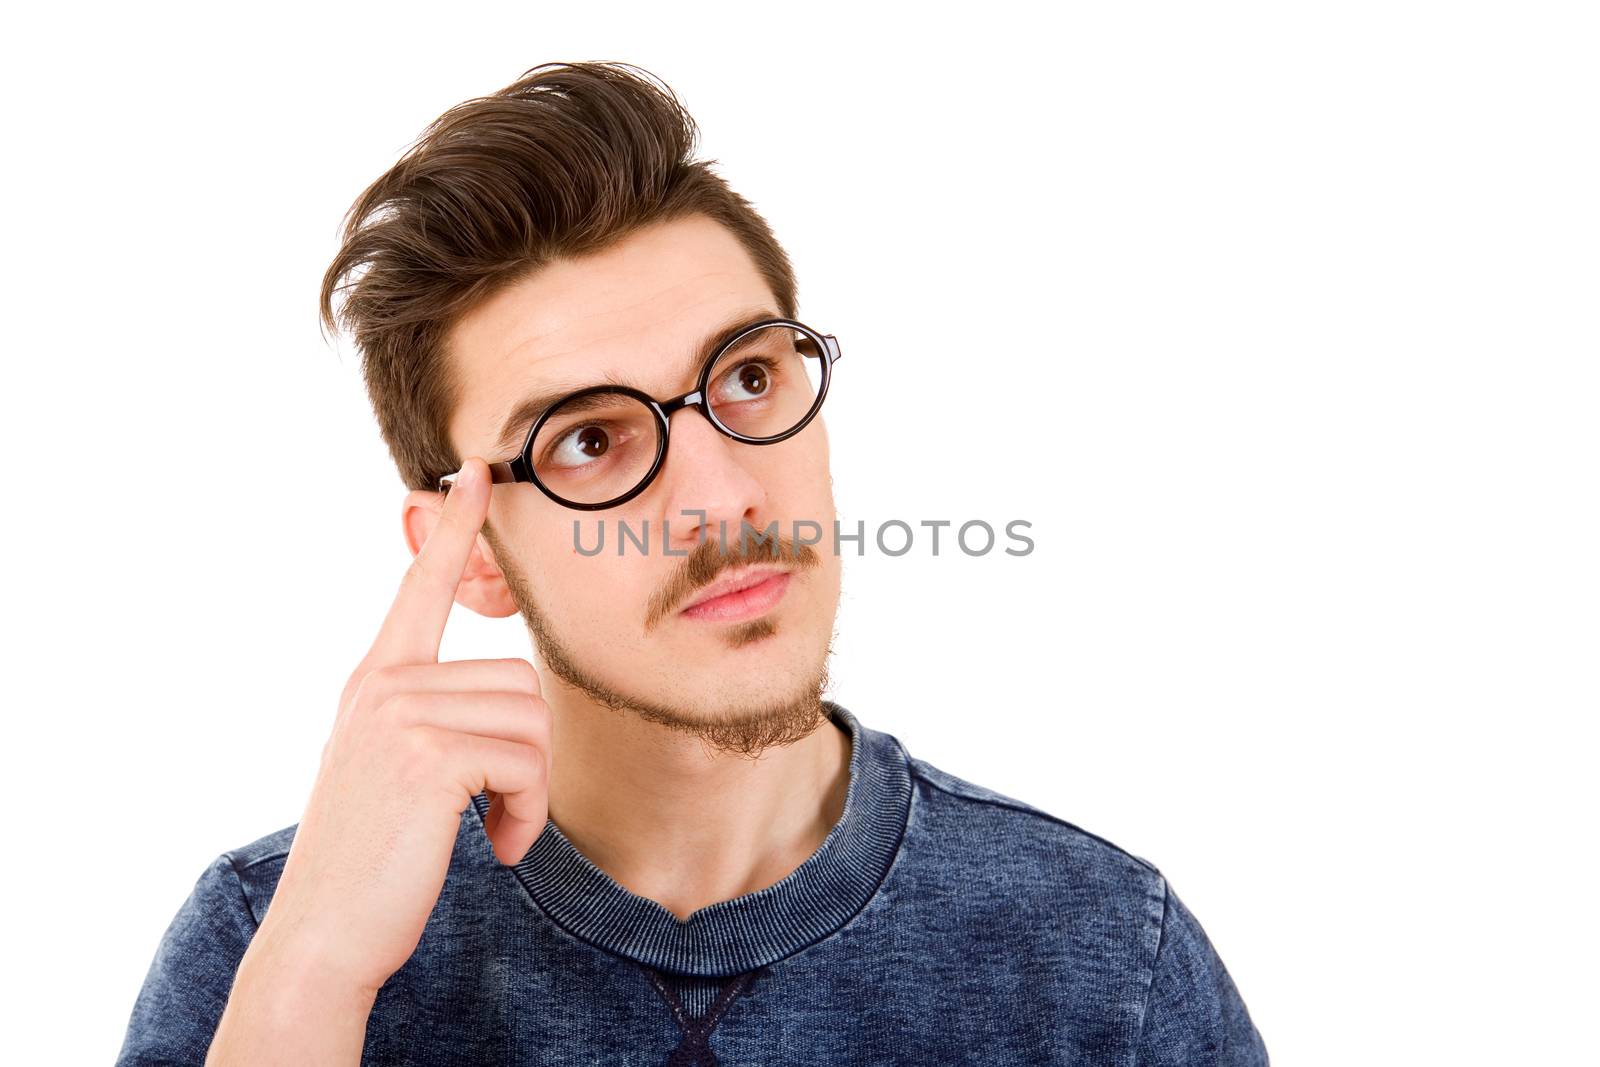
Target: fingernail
468, 475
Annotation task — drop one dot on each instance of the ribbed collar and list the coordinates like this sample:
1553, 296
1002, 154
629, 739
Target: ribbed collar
733, 936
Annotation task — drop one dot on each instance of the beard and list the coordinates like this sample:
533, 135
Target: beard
782, 720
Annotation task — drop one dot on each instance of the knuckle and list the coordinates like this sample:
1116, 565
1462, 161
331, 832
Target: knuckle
416, 570
418, 577
399, 707
524, 770
527, 674
352, 687
373, 684
537, 767
420, 752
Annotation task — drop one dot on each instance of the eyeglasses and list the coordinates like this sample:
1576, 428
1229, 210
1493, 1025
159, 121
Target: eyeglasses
602, 446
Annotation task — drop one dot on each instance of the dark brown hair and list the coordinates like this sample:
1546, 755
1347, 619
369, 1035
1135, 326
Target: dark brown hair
566, 160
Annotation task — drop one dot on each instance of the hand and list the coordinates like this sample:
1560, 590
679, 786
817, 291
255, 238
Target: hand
414, 741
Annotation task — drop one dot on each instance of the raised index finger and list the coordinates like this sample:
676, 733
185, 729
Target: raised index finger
414, 627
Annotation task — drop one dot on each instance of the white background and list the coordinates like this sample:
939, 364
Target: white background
1277, 321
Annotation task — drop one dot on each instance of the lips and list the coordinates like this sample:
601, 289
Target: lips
743, 578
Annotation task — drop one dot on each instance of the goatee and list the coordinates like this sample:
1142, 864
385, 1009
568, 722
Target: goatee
747, 732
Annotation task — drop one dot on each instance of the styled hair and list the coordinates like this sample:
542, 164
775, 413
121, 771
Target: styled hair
566, 160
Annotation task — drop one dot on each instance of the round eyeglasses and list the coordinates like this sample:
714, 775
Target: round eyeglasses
602, 446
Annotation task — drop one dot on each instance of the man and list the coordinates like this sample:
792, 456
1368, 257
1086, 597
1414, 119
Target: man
662, 845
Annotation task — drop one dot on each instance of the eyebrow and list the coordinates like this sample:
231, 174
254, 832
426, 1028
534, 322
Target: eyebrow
527, 411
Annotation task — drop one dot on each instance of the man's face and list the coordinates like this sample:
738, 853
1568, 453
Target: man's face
614, 626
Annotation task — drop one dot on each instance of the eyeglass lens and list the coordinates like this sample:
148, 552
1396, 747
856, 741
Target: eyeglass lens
599, 446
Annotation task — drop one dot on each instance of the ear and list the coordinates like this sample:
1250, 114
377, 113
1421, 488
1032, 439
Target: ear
483, 587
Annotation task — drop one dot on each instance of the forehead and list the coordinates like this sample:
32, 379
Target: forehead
635, 311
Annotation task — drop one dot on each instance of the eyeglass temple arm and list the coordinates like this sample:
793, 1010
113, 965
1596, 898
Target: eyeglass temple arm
498, 472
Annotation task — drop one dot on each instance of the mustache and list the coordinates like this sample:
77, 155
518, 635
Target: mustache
710, 558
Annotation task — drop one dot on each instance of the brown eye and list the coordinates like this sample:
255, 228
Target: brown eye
753, 376
577, 446
764, 385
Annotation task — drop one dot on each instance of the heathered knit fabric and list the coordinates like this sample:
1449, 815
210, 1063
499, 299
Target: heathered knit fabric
939, 922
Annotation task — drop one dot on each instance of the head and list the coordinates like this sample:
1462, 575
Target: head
559, 234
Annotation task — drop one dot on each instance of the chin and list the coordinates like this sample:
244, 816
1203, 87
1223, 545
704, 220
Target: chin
774, 667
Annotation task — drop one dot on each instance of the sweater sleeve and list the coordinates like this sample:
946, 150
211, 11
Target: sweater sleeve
1194, 1016
181, 1002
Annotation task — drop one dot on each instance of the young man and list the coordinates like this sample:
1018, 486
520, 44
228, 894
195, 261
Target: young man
585, 862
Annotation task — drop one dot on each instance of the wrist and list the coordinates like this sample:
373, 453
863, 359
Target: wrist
288, 1008
291, 958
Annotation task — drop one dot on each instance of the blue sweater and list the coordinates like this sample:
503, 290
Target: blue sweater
938, 923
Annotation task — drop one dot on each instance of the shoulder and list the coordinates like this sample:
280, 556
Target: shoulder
258, 865
1022, 821
1021, 845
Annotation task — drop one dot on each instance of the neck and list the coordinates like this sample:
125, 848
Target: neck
670, 821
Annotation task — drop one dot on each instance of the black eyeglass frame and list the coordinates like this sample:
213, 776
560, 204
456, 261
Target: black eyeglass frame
520, 467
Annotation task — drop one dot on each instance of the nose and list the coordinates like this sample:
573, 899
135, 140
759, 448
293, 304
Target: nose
708, 490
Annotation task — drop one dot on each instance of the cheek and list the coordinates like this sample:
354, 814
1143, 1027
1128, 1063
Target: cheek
559, 563
602, 587
800, 481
